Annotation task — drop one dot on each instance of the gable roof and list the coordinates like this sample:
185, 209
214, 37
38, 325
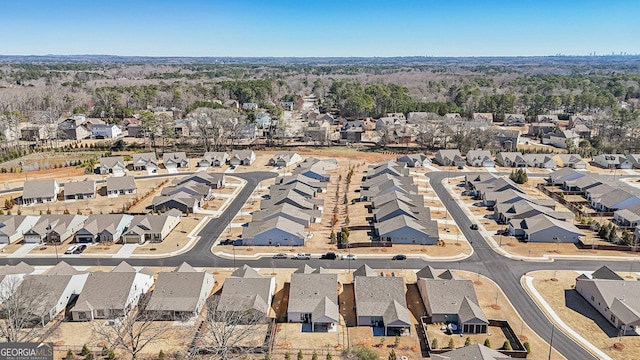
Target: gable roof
112, 161
471, 352
373, 294
39, 189
175, 157
86, 186
309, 293
364, 270
178, 290
121, 183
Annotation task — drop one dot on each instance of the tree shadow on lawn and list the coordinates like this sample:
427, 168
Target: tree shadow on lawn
577, 303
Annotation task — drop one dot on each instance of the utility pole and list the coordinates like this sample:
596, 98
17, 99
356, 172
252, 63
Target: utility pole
551, 342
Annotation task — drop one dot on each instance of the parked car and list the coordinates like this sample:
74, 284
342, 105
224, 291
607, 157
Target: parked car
302, 256
280, 256
80, 249
474, 226
349, 257
329, 256
399, 257
460, 167
71, 249
226, 242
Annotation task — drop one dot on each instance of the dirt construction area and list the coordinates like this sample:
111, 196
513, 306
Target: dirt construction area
557, 290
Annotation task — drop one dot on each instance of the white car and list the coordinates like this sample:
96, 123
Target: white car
71, 249
302, 256
349, 257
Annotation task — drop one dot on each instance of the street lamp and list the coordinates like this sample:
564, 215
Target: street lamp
234, 256
55, 243
551, 342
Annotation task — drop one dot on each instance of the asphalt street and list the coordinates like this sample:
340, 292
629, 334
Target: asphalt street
485, 260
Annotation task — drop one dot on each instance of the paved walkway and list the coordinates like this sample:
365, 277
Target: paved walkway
23, 251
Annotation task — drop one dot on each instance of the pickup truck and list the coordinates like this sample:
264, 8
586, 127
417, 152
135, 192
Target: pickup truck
302, 256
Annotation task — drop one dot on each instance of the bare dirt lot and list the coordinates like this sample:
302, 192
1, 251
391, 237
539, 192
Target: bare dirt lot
576, 312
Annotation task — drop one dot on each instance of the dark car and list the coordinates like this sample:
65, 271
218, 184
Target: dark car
460, 167
226, 242
474, 226
399, 257
329, 256
80, 249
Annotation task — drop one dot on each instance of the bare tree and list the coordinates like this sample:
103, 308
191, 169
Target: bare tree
227, 333
23, 311
132, 332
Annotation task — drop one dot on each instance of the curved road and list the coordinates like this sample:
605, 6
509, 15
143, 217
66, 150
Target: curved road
504, 271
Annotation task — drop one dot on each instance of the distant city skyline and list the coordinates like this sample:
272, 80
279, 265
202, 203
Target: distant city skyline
332, 28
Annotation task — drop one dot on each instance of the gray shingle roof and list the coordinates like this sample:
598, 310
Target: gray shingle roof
80, 187
308, 292
446, 296
121, 183
471, 352
373, 294
178, 290
39, 189
245, 293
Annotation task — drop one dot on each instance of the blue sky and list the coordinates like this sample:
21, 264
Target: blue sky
319, 28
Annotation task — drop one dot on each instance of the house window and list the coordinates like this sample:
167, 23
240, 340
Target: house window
100, 313
82, 315
613, 318
592, 298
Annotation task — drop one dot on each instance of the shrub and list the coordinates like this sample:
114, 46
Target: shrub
85, 350
314, 356
434, 343
364, 353
452, 344
300, 356
467, 342
527, 347
392, 355
507, 345
162, 355
287, 356
69, 355
487, 343
329, 357
89, 356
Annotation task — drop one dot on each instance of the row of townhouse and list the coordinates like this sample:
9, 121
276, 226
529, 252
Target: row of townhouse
132, 229
177, 295
188, 194
484, 158
399, 214
527, 217
235, 158
116, 165
46, 191
291, 206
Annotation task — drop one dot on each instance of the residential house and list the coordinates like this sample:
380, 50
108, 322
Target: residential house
40, 192
449, 158
474, 351
613, 161
51, 292
180, 295
303, 217
11, 276
246, 293
414, 160
242, 157
511, 159
393, 168
110, 295
543, 228
547, 118
581, 184
112, 165
152, 228
507, 139
124, 185
105, 228
405, 229
181, 130
563, 139
71, 129
381, 303
482, 117
615, 298
54, 228
544, 161
79, 190
284, 159
319, 134
583, 131
575, 120
214, 181
523, 208
573, 161
320, 186
145, 161
316, 169
480, 158
298, 187
452, 117
175, 160
634, 159
514, 119
395, 184
313, 301
33, 133
12, 227
388, 122
607, 199
105, 131
540, 129
213, 159
287, 105
274, 231
409, 199
450, 300
559, 176
351, 131
234, 104
182, 201
627, 218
